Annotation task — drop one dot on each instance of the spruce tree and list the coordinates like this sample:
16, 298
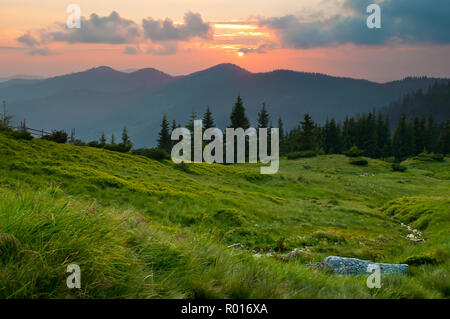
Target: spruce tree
113, 140
164, 140
263, 117
190, 123
103, 139
402, 142
430, 135
444, 139
238, 117
418, 135
307, 134
5, 118
208, 120
126, 141
281, 136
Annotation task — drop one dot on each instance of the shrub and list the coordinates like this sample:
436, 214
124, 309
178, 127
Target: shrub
79, 143
153, 153
418, 260
359, 162
301, 154
424, 156
57, 136
353, 151
122, 148
396, 167
20, 135
95, 144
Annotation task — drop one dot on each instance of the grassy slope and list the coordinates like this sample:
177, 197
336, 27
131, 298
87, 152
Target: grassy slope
141, 228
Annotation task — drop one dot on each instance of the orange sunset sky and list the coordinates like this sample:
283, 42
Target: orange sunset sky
183, 36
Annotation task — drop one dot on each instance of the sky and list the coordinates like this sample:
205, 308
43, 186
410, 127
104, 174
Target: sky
184, 36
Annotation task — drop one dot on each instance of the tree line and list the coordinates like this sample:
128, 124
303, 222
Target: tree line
367, 134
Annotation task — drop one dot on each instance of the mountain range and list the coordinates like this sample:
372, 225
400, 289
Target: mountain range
106, 100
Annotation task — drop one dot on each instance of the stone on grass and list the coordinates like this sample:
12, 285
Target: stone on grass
353, 266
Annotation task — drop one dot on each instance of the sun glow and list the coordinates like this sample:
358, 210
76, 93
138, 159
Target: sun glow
240, 53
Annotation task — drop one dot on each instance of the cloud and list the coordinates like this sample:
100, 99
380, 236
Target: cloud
167, 30
28, 39
406, 21
262, 48
112, 29
40, 51
33, 45
131, 50
167, 48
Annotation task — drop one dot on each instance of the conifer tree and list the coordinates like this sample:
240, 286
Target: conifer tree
5, 118
444, 139
402, 140
126, 141
102, 139
208, 120
113, 140
418, 135
307, 134
238, 117
263, 117
190, 123
164, 140
430, 135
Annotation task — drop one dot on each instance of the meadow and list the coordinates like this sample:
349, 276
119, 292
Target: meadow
141, 228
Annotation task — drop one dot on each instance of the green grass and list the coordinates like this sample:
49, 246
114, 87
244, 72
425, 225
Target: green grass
141, 228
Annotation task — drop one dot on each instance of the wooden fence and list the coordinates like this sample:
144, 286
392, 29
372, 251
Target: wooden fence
33, 131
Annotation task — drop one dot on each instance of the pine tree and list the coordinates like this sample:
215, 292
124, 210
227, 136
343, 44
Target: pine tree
402, 142
307, 135
190, 123
430, 135
332, 143
126, 141
418, 135
208, 120
113, 140
383, 137
5, 118
103, 139
164, 140
238, 117
263, 117
282, 136
444, 139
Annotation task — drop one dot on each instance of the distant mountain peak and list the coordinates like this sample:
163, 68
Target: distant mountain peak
149, 71
102, 69
228, 67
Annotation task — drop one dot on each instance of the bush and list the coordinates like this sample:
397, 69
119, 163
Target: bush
122, 148
359, 162
301, 154
353, 151
57, 136
79, 143
153, 153
396, 167
430, 157
95, 144
20, 135
418, 260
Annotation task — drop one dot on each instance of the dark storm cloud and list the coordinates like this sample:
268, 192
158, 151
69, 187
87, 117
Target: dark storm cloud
408, 21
